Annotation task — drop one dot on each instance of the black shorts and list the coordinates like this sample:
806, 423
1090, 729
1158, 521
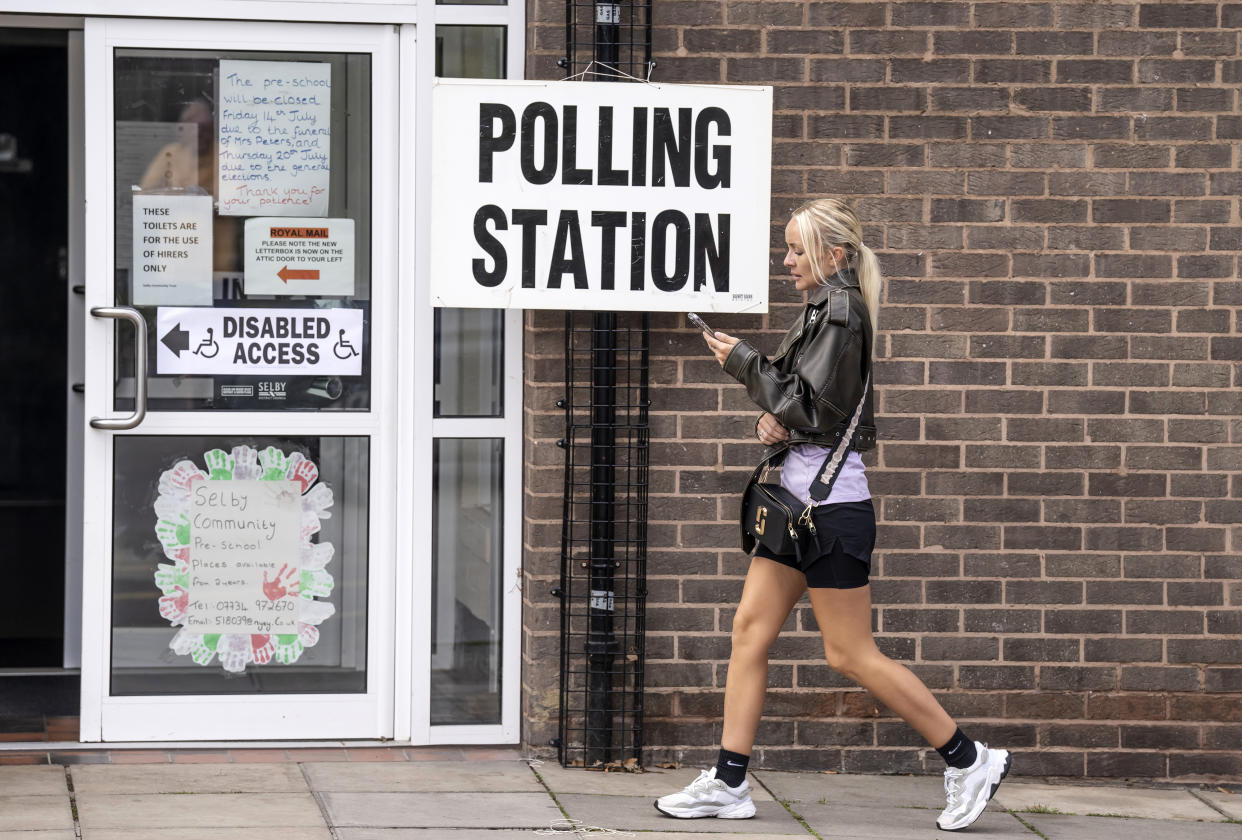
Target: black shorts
846, 535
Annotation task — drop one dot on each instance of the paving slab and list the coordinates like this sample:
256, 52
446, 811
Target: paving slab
443, 834
188, 778
701, 835
638, 813
424, 776
903, 823
33, 781
1230, 803
1095, 828
198, 810
652, 783
1084, 800
440, 810
300, 833
64, 834
858, 791
33, 813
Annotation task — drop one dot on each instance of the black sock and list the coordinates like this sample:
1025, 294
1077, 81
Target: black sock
731, 767
959, 752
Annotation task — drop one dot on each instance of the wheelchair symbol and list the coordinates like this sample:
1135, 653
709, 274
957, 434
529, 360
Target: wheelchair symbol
208, 347
343, 349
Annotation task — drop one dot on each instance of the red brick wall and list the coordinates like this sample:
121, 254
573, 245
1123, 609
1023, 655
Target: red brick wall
1052, 189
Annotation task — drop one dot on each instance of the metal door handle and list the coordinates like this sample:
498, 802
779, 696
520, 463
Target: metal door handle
125, 313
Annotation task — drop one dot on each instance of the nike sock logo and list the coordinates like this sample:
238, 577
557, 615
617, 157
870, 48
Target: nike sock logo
733, 764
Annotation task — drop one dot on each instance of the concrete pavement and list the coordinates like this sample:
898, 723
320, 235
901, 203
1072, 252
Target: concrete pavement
498, 797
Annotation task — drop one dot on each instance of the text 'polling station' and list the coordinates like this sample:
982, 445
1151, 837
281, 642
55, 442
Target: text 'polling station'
623, 155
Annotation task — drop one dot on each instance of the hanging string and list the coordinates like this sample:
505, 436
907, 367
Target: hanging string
613, 72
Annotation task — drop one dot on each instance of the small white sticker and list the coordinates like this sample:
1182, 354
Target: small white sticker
601, 599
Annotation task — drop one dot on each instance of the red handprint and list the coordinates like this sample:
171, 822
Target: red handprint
174, 606
283, 583
304, 472
262, 647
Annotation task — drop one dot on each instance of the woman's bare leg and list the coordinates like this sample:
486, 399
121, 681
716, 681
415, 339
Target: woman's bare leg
770, 592
844, 618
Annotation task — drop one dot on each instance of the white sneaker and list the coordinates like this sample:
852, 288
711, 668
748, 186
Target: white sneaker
968, 790
708, 796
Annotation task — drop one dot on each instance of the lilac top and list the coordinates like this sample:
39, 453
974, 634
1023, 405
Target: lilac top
801, 464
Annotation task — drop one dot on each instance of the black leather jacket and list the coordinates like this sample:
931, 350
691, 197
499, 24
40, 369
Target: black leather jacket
813, 383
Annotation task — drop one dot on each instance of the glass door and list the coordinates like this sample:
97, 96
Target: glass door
241, 356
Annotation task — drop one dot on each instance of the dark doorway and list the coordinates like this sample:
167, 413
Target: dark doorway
34, 131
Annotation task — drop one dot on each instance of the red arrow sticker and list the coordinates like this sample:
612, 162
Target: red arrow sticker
286, 274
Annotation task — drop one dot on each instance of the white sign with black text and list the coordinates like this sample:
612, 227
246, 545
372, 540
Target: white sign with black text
257, 342
309, 257
172, 250
600, 195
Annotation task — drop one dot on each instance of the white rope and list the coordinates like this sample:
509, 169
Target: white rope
566, 826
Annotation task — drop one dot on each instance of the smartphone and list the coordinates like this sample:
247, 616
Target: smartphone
700, 323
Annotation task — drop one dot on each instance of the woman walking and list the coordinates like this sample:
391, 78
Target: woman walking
809, 393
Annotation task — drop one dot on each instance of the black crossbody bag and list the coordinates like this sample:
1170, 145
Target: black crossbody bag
778, 519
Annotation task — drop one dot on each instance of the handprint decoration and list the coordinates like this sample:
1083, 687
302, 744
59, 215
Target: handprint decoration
259, 586
283, 583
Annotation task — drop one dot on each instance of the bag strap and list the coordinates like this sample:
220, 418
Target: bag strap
835, 460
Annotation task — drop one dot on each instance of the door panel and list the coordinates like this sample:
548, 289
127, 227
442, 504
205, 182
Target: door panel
239, 540
186, 128
33, 242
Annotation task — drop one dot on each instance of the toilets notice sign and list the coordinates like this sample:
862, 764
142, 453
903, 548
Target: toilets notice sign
254, 342
172, 250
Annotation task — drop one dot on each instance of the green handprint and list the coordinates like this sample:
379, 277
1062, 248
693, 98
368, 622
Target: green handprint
315, 583
219, 465
167, 578
203, 650
275, 464
288, 649
173, 533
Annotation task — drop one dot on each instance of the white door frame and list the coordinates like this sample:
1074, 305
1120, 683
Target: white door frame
259, 717
75, 303
421, 429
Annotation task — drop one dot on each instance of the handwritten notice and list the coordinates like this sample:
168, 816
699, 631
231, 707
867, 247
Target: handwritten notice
306, 258
172, 250
274, 138
245, 549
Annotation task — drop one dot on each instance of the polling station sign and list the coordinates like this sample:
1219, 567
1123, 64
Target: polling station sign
258, 342
600, 195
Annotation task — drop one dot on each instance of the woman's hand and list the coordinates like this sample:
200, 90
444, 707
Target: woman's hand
721, 345
770, 431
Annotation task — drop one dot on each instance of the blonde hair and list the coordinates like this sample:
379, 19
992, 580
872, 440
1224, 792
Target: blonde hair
825, 223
